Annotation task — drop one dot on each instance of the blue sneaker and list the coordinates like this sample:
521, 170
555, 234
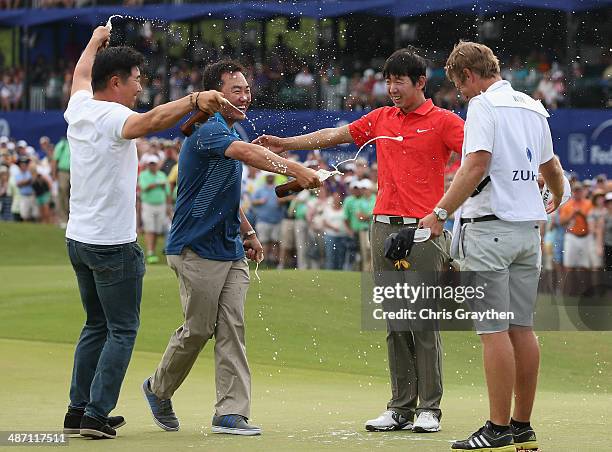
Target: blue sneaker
162, 412
234, 424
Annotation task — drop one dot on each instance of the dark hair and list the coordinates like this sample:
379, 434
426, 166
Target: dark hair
114, 61
211, 79
405, 62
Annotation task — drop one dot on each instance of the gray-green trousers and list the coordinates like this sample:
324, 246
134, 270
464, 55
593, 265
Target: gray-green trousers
415, 357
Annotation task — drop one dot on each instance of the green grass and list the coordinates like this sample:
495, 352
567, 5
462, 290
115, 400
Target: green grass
316, 376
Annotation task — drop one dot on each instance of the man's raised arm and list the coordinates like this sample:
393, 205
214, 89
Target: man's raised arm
81, 79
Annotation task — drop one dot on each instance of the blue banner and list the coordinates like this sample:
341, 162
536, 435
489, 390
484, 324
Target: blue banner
582, 138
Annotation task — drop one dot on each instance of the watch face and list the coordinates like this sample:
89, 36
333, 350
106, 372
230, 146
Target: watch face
441, 214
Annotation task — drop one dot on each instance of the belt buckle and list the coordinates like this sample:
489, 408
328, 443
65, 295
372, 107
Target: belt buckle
396, 220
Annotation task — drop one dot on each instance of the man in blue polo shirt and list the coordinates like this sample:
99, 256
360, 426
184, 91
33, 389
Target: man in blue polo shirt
207, 253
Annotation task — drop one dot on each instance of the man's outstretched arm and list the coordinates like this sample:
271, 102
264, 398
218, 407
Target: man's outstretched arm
167, 115
262, 158
320, 139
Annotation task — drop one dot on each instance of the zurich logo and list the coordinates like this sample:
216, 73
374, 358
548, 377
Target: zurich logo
529, 156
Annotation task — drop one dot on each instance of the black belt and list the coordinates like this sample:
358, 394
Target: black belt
396, 220
479, 219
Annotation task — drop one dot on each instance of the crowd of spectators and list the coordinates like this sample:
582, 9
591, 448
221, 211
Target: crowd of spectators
327, 228
287, 79
11, 89
43, 4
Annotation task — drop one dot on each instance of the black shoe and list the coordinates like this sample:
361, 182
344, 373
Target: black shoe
524, 438
93, 428
487, 440
72, 421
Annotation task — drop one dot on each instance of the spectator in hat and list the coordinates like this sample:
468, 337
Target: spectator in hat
23, 179
365, 207
171, 158
287, 234
596, 221
5, 195
22, 146
13, 192
299, 207
573, 215
60, 167
5, 157
335, 233
601, 182
269, 215
10, 149
45, 155
42, 191
154, 197
353, 225
315, 214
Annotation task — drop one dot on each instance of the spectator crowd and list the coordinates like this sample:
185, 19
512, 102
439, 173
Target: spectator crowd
286, 79
323, 229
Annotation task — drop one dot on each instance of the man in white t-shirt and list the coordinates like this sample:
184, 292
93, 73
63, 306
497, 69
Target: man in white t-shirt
507, 143
101, 230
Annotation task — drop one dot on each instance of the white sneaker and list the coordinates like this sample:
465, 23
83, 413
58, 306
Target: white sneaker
426, 422
389, 420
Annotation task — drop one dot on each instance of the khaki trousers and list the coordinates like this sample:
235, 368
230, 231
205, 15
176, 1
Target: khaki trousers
365, 249
213, 294
63, 195
415, 357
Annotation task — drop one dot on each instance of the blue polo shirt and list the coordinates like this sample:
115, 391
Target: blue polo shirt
270, 211
25, 190
207, 214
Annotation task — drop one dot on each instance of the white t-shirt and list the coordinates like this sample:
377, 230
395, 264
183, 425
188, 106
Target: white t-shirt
335, 218
103, 172
513, 128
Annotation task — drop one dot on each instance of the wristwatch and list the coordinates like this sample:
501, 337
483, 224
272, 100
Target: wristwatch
248, 234
440, 213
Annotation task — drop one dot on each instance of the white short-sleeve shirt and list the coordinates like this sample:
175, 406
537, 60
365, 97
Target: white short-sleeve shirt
514, 134
103, 172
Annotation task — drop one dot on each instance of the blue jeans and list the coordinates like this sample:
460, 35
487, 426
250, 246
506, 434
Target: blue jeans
110, 283
335, 252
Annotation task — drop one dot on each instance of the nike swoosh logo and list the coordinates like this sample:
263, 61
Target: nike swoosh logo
423, 130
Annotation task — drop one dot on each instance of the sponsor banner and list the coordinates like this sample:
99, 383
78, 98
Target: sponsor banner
582, 138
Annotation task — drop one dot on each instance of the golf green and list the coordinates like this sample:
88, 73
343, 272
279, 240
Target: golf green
316, 376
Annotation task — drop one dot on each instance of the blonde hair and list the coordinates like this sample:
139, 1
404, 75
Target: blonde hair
471, 55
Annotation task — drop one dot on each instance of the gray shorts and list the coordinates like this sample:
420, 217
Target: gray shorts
288, 234
504, 257
154, 218
268, 232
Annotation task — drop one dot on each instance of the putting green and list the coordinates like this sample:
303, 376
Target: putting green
316, 376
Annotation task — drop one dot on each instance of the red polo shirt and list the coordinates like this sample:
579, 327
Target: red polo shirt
410, 172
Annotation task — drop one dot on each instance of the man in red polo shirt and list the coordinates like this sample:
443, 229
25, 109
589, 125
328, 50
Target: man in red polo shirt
410, 183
